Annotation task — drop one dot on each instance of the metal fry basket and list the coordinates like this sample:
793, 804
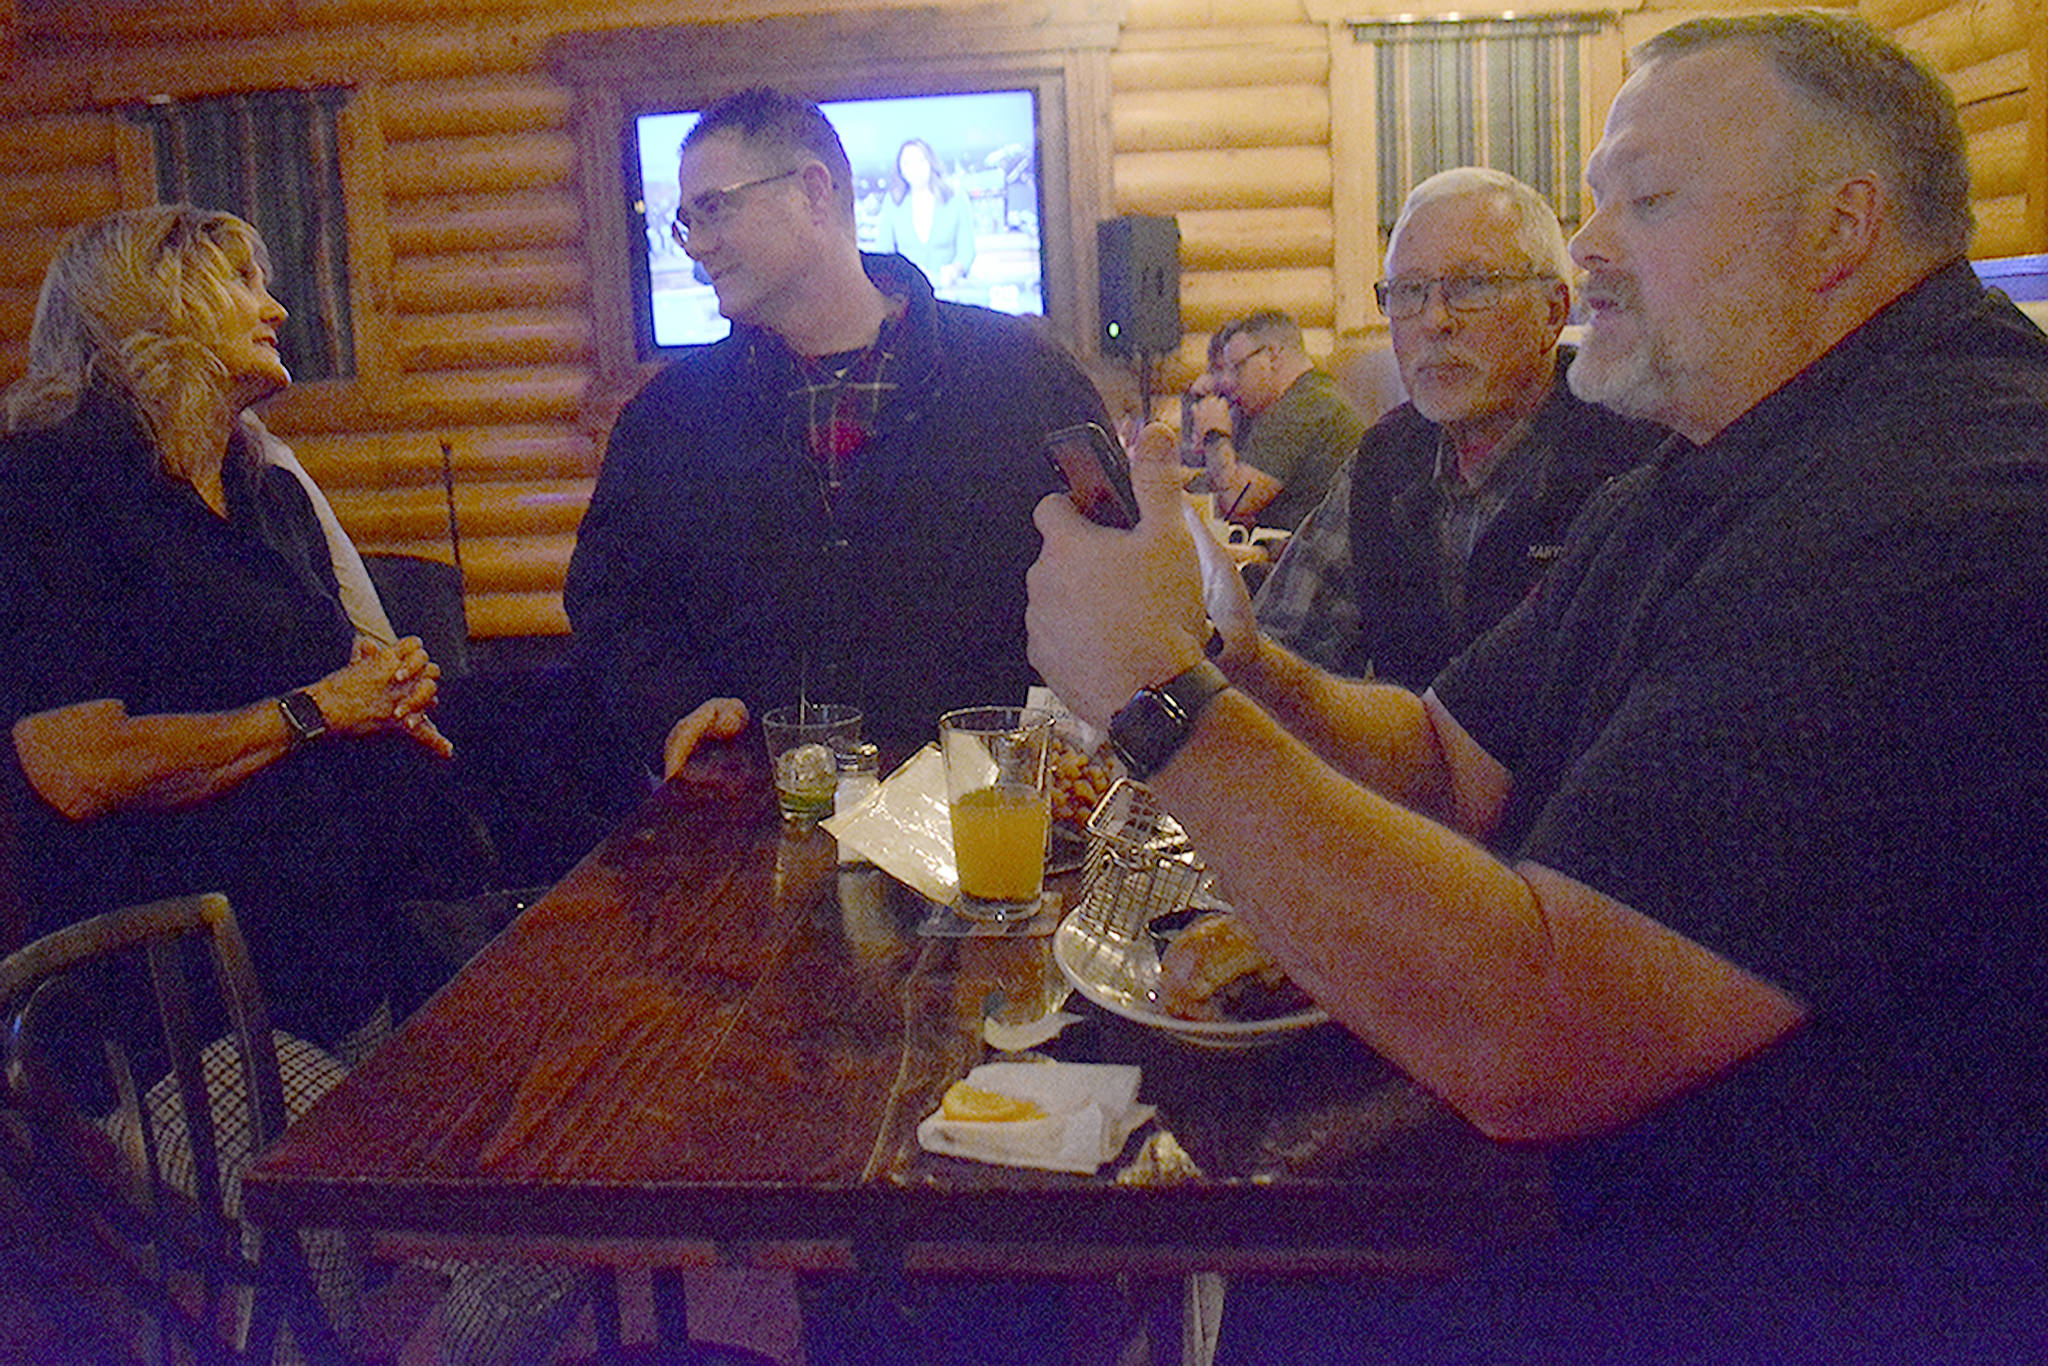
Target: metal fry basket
1140, 864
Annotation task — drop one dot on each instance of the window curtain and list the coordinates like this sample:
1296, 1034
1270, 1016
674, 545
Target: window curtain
1501, 93
271, 157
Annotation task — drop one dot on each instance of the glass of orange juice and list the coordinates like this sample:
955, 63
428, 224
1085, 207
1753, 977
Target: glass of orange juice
997, 796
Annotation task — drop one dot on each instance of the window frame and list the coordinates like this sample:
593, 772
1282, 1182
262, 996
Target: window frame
327, 404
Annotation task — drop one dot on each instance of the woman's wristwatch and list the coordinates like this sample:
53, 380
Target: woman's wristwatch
302, 717
1149, 729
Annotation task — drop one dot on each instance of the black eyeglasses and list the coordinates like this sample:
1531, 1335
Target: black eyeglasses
1236, 367
1460, 293
713, 207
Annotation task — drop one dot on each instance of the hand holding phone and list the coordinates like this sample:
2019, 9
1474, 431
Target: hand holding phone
1096, 472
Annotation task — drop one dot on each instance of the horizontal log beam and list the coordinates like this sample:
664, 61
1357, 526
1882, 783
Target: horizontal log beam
517, 564
523, 509
499, 161
1210, 14
486, 222
1993, 112
1191, 120
2002, 227
472, 281
1998, 161
413, 110
1208, 300
795, 49
460, 341
2002, 75
1231, 59
1174, 182
490, 398
1964, 35
56, 142
500, 615
379, 459
1888, 15
1257, 239
64, 196
505, 397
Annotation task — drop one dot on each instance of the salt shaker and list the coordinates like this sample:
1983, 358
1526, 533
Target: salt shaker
860, 772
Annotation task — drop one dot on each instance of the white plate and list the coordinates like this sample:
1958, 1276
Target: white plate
1122, 976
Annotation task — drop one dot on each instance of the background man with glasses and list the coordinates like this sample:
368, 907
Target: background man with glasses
1294, 425
1456, 501
834, 498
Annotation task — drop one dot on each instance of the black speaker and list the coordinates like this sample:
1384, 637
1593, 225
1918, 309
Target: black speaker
1138, 258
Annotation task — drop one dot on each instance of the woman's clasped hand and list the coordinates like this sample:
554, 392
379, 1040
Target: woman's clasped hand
384, 687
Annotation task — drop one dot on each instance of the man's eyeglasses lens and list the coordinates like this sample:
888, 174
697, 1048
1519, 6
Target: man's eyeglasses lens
1236, 367
710, 209
1461, 293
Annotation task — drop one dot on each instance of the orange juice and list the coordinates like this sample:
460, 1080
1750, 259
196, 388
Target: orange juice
999, 842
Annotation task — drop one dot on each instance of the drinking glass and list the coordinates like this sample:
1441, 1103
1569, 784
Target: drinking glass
805, 740
1000, 806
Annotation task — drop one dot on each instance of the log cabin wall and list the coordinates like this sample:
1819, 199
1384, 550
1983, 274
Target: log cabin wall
1994, 54
472, 270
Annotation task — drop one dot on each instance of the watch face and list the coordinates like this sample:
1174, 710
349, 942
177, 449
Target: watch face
1150, 728
1144, 733
303, 714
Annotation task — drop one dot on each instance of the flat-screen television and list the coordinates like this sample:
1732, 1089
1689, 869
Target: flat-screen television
987, 145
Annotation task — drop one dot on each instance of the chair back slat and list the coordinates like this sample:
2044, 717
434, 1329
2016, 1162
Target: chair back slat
236, 971
182, 1043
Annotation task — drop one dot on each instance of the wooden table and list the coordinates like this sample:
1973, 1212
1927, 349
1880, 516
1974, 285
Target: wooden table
694, 1048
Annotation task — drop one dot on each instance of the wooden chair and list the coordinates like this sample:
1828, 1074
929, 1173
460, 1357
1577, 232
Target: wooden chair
148, 1168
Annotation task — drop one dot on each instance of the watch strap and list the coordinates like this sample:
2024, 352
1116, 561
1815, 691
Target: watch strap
1149, 729
302, 717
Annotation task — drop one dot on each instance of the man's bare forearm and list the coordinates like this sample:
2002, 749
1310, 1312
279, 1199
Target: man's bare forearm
1536, 1006
1375, 734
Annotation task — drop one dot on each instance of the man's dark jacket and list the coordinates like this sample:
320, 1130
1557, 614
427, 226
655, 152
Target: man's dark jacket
1408, 634
709, 564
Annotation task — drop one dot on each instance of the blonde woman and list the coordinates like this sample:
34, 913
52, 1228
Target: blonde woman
191, 706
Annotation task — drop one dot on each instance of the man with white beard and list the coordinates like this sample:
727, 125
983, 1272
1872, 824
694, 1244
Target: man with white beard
1716, 868
1456, 501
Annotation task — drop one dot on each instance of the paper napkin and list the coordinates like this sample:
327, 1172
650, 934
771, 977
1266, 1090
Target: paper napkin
904, 828
1090, 1110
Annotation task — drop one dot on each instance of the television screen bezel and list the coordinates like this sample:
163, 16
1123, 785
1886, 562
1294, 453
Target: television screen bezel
631, 158
1047, 85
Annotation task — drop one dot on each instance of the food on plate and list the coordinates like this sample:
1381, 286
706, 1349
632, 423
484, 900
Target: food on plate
1215, 970
1078, 780
964, 1102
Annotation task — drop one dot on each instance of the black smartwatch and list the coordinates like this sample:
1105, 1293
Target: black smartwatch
302, 717
1150, 728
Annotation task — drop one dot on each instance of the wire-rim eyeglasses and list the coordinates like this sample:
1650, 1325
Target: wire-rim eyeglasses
709, 209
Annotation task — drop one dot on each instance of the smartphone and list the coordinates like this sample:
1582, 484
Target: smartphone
1096, 472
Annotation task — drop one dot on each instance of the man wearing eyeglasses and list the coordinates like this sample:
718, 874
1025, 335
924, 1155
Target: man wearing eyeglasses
834, 501
1296, 428
1717, 867
1456, 501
